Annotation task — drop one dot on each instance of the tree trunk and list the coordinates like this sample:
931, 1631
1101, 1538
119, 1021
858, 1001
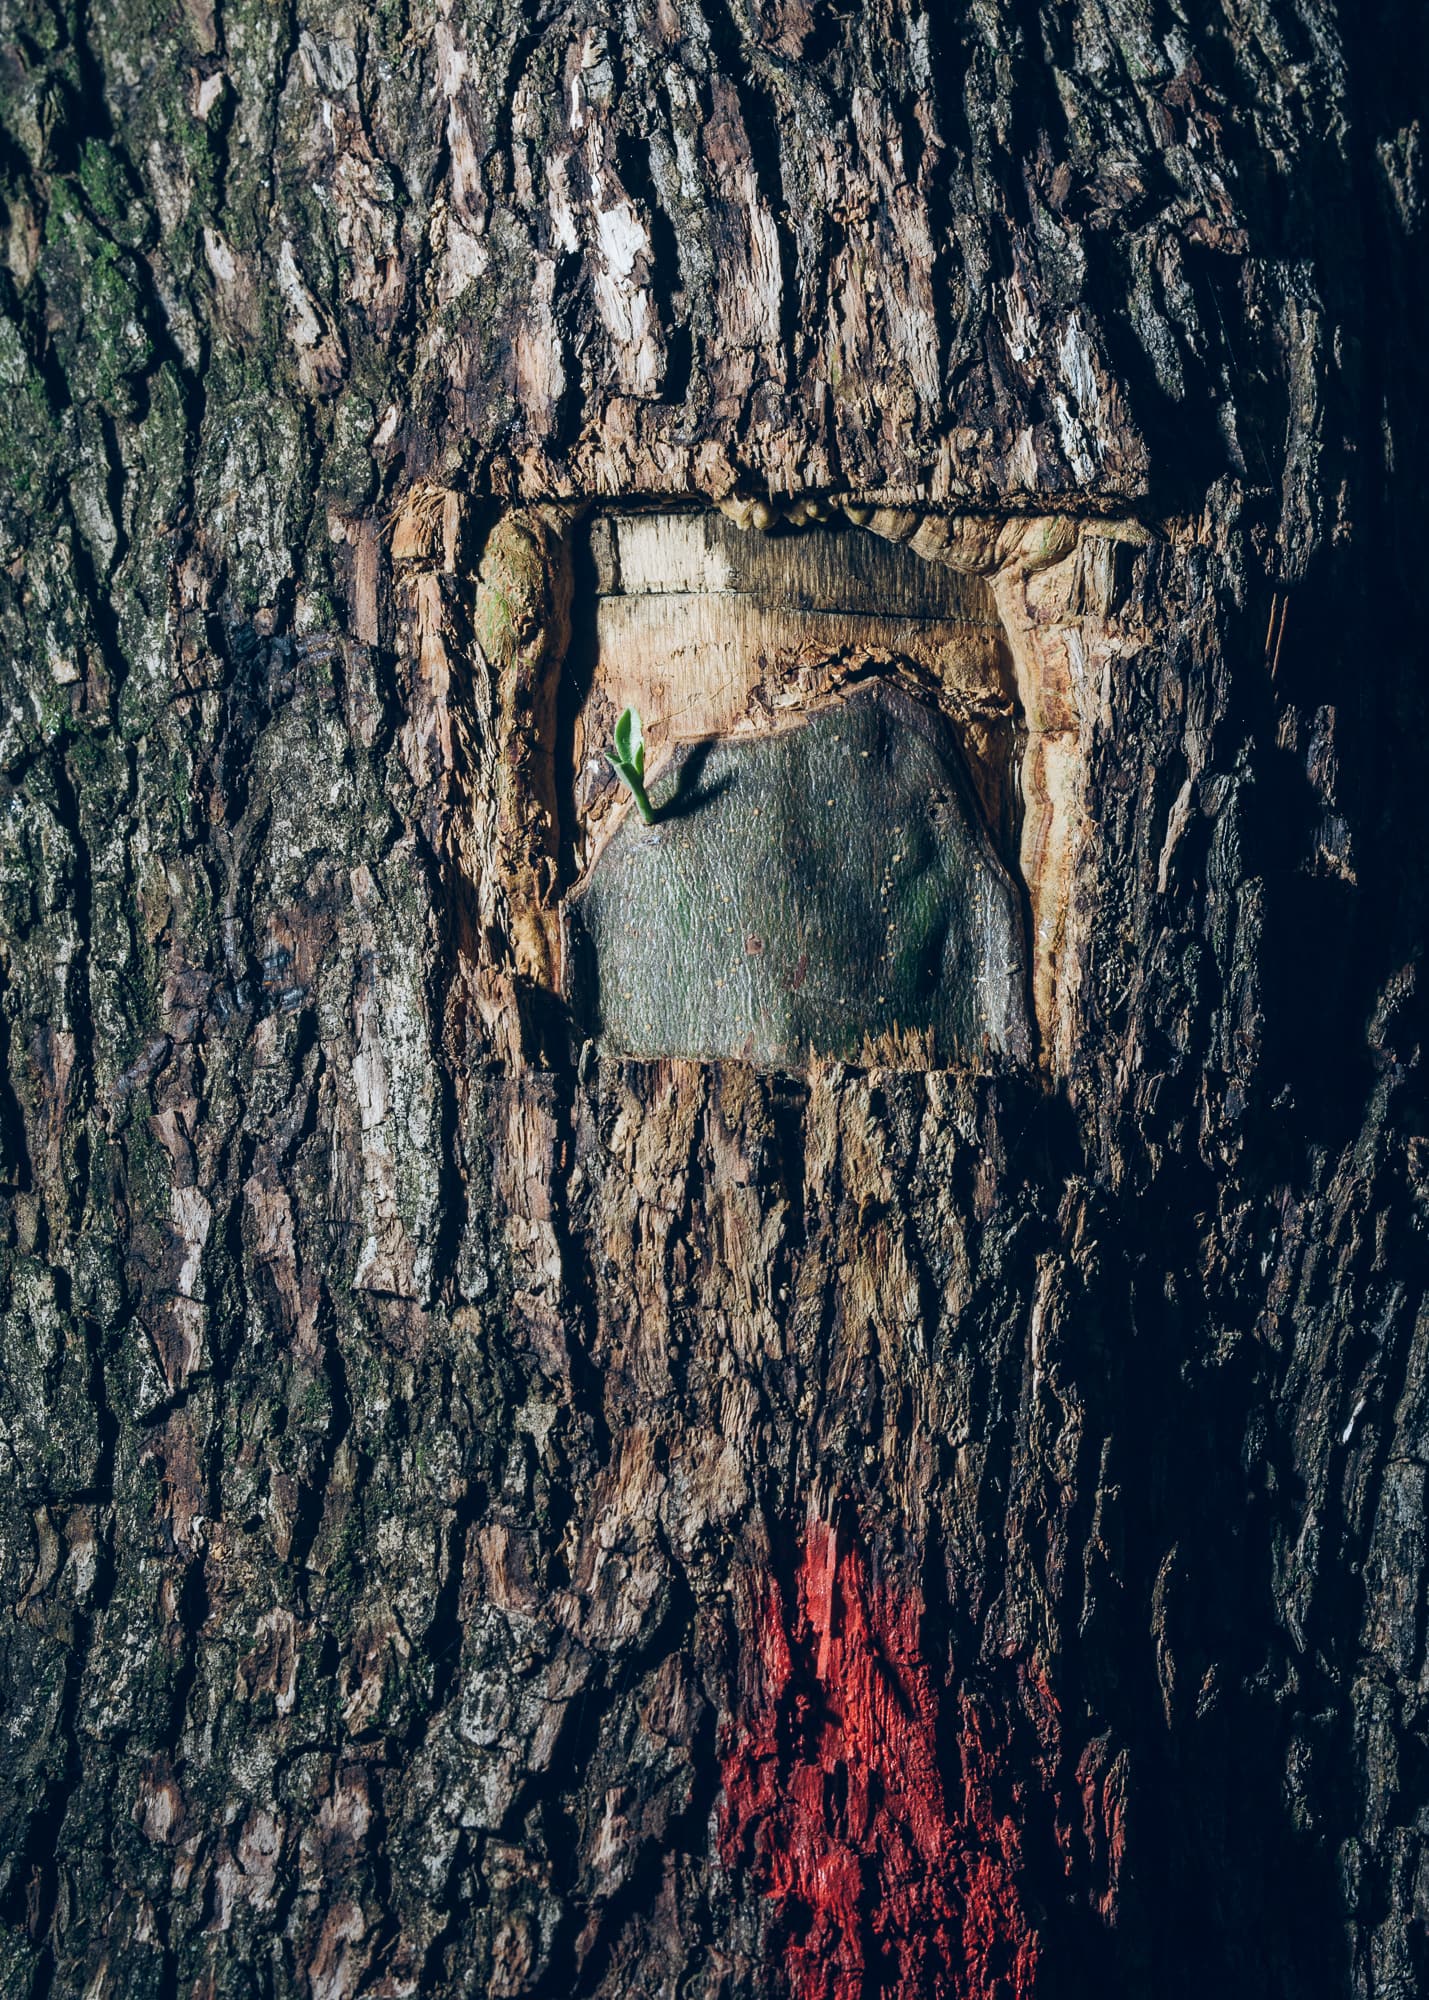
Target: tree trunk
506, 1495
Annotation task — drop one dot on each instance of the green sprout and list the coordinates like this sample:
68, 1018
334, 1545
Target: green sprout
627, 760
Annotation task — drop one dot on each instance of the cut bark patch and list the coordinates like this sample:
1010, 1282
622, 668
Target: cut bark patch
819, 890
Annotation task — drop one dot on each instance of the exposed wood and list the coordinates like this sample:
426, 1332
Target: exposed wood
1016, 625
703, 628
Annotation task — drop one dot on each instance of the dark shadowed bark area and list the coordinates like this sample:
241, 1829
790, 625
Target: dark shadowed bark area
484, 1512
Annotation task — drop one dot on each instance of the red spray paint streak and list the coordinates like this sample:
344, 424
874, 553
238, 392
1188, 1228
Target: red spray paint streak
835, 1799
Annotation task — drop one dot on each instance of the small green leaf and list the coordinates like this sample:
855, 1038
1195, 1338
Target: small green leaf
627, 760
630, 741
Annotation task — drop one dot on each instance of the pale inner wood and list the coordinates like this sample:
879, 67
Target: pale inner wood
701, 626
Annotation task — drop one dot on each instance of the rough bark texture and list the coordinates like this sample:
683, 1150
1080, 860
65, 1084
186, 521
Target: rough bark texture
480, 1517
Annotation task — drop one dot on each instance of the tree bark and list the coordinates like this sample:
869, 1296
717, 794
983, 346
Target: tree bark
488, 1513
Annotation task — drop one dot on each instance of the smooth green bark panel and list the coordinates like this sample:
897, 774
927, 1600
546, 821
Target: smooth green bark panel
810, 892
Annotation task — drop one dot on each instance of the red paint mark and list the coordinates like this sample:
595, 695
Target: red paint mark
891, 1876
